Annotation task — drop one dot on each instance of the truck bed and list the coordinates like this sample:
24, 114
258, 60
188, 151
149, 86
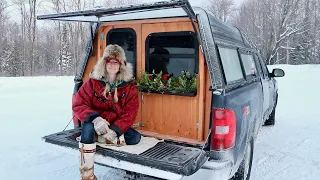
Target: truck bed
168, 156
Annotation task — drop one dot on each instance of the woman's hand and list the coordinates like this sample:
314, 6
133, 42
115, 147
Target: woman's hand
101, 126
111, 135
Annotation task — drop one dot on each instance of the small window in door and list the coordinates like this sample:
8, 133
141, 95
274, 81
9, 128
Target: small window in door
171, 53
231, 65
126, 38
248, 64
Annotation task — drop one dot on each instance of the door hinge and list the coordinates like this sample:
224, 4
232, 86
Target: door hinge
197, 127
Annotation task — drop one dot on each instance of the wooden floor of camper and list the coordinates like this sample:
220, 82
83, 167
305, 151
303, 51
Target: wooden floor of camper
172, 138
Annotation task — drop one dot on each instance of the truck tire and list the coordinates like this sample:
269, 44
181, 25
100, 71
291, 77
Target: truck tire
244, 170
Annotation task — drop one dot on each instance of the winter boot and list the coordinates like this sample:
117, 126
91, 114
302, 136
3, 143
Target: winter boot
87, 161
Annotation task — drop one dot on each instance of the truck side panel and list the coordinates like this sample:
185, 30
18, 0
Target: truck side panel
246, 102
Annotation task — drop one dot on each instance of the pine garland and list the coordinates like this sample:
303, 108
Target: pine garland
184, 83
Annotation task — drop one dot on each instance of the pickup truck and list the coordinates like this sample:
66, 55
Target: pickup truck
207, 134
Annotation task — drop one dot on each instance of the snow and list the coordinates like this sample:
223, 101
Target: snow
32, 107
291, 149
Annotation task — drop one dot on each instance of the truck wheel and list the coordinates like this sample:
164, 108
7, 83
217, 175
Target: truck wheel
244, 170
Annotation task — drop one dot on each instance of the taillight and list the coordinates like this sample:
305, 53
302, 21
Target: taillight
223, 129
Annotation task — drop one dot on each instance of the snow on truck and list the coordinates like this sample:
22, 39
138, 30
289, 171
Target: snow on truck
204, 130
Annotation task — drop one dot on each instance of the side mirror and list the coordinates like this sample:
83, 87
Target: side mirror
277, 73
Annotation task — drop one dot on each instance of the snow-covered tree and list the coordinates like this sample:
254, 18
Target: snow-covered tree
222, 9
278, 28
7, 59
66, 58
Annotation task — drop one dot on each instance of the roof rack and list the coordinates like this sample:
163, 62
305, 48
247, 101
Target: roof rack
173, 8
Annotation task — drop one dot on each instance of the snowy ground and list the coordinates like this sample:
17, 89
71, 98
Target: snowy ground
34, 107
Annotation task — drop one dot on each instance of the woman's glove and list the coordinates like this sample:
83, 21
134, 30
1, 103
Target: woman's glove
111, 135
101, 126
105, 139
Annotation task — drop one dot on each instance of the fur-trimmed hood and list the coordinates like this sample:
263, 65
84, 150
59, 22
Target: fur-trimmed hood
113, 51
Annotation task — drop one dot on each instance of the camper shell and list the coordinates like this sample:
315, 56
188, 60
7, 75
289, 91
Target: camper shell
186, 122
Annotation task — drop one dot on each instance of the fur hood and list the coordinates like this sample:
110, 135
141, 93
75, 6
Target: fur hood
113, 51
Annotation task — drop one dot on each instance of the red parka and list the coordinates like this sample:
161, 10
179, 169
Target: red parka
90, 102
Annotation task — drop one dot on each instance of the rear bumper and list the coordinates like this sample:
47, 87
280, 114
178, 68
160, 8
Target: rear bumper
138, 168
212, 170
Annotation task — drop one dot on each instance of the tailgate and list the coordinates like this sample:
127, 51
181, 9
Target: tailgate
166, 156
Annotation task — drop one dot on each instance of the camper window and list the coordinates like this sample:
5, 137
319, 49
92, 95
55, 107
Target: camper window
171, 53
126, 38
231, 65
248, 64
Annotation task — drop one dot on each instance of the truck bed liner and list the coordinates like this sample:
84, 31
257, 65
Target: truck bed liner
167, 156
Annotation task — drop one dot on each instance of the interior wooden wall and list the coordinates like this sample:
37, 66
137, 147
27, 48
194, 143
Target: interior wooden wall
166, 114
173, 115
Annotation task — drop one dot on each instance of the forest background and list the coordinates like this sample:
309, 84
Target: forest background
284, 31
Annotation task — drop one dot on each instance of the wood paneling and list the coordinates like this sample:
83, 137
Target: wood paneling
152, 112
179, 116
201, 89
170, 137
164, 115
167, 114
104, 41
99, 46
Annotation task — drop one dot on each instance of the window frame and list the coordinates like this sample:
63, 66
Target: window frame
246, 52
257, 61
177, 33
134, 64
235, 82
264, 68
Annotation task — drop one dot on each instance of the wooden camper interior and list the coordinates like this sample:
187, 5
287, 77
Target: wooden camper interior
178, 118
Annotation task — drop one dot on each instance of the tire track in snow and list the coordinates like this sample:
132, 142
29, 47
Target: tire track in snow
285, 155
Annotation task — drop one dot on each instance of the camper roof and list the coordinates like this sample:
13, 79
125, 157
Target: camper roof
173, 8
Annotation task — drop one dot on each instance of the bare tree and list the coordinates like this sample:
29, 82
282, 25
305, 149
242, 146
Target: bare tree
271, 23
222, 8
109, 3
284, 31
32, 31
3, 17
22, 9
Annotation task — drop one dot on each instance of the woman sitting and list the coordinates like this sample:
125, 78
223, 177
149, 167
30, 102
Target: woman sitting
107, 105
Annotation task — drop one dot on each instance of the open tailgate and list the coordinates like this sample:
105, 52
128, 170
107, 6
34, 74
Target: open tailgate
167, 156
